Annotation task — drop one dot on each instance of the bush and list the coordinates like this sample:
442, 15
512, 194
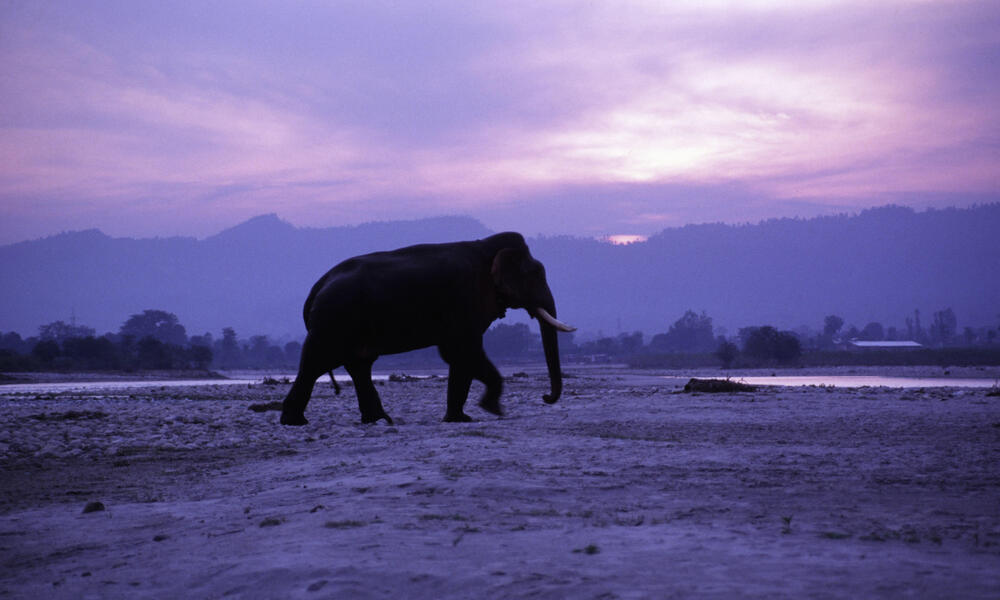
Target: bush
46, 351
690, 333
91, 353
727, 353
767, 344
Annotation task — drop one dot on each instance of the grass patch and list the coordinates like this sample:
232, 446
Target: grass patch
537, 512
72, 415
437, 517
348, 524
787, 527
480, 433
717, 386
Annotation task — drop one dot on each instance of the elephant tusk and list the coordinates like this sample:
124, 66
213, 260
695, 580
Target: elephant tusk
545, 316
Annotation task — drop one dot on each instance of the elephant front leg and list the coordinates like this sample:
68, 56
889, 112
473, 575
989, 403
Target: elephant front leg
368, 400
459, 381
464, 367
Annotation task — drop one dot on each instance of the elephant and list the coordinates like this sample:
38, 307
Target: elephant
443, 295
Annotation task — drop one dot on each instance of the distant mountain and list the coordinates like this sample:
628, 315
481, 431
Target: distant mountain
879, 265
253, 277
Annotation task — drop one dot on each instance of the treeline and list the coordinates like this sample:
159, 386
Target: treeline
692, 340
942, 332
155, 340
150, 340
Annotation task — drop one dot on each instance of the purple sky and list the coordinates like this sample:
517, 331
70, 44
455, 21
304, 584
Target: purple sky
591, 118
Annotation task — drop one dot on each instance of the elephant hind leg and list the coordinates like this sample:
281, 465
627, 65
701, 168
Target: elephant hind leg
312, 364
368, 399
459, 382
293, 409
487, 372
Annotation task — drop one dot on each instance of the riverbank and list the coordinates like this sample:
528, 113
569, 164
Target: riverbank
622, 489
22, 377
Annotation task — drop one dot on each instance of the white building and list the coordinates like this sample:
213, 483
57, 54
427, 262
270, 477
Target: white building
883, 345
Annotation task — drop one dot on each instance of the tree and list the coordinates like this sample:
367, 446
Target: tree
788, 348
46, 351
831, 325
227, 350
767, 343
691, 333
509, 340
915, 331
256, 352
59, 331
293, 350
157, 324
944, 326
200, 357
201, 340
872, 332
91, 353
630, 343
726, 353
12, 341
603, 345
758, 342
153, 354
262, 353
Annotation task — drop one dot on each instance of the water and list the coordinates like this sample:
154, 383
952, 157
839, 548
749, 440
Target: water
855, 381
93, 386
842, 381
89, 386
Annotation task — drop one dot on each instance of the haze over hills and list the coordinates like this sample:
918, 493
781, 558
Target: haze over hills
878, 265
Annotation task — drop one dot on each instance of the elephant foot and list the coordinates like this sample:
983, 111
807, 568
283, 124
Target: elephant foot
491, 406
368, 419
457, 418
293, 419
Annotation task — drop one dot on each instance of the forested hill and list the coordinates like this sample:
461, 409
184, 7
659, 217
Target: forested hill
253, 277
878, 265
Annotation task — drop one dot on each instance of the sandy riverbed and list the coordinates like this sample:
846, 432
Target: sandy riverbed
625, 489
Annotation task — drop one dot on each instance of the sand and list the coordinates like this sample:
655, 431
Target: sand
627, 488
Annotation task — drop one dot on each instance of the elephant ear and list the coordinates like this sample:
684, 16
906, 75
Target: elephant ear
508, 265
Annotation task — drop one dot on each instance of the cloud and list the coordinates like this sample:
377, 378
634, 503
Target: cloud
230, 109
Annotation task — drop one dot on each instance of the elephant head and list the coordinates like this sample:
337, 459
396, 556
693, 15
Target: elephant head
520, 283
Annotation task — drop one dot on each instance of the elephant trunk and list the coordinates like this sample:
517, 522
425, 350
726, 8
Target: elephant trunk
545, 313
551, 346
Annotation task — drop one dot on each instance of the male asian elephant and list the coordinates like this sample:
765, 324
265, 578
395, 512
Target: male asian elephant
443, 295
